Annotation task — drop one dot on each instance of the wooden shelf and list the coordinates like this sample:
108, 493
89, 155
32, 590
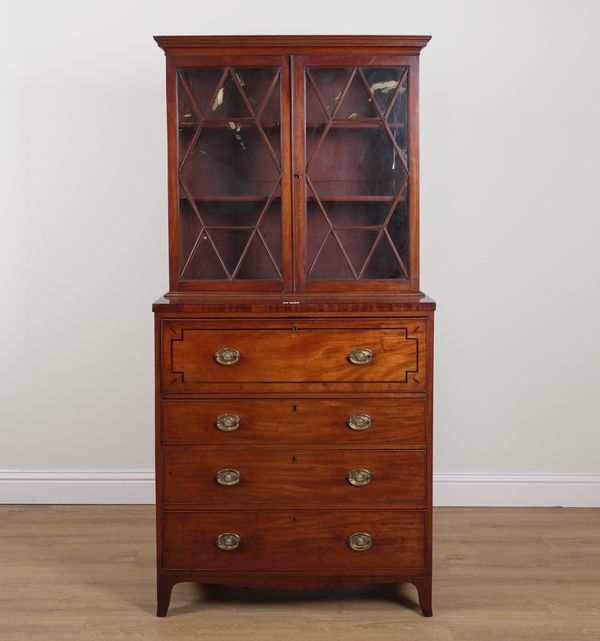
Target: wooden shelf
355, 199
245, 123
254, 198
227, 198
240, 123
356, 124
230, 227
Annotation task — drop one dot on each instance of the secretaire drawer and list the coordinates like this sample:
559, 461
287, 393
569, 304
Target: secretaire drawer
295, 420
347, 355
294, 476
299, 540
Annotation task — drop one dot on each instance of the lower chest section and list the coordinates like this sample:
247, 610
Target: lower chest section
300, 446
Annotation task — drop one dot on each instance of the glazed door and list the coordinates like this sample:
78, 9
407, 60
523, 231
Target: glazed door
355, 159
229, 152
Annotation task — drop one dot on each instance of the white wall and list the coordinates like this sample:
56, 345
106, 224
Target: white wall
510, 113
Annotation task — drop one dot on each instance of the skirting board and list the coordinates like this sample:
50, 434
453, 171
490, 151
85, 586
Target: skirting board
72, 487
516, 490
137, 486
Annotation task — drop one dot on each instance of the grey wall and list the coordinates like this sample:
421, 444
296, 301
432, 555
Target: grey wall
510, 222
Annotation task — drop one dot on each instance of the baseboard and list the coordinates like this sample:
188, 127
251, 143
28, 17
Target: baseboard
65, 486
137, 487
516, 490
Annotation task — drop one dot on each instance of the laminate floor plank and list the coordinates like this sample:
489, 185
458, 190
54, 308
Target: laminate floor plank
83, 573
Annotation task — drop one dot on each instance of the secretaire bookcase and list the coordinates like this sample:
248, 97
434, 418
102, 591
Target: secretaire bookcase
294, 349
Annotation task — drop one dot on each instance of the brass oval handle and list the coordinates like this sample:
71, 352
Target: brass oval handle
227, 356
228, 477
359, 422
359, 477
227, 422
360, 356
228, 541
360, 541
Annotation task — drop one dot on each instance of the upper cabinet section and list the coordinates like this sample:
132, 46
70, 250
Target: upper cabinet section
293, 164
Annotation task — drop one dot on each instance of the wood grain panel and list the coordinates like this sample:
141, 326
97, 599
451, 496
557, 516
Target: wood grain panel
396, 420
294, 476
285, 353
302, 539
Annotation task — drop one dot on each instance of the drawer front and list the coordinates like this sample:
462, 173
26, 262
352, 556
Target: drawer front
280, 355
236, 421
295, 476
298, 540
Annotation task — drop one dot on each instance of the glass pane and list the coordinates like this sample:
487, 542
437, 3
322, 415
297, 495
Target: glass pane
230, 214
357, 243
229, 173
357, 172
398, 231
331, 263
270, 119
357, 162
357, 214
270, 229
383, 83
317, 230
190, 229
383, 263
328, 85
356, 102
256, 84
203, 261
228, 102
196, 88
229, 161
230, 243
257, 263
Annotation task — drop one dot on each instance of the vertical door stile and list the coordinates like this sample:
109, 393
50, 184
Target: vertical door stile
287, 204
297, 89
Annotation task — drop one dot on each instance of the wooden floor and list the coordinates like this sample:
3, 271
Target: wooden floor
87, 572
